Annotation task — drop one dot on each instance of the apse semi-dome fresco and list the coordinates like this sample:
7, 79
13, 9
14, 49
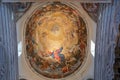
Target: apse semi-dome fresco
56, 40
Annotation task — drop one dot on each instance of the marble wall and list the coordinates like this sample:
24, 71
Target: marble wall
8, 43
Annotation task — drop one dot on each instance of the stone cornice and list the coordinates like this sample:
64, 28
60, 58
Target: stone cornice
82, 1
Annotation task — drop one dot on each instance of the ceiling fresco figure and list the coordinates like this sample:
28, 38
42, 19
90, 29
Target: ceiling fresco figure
56, 40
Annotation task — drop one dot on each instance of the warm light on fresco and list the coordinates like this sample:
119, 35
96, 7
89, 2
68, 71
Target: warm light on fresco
56, 40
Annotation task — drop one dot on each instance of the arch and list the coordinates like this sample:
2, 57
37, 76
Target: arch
39, 59
77, 74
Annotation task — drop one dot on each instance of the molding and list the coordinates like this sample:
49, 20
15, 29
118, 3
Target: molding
82, 1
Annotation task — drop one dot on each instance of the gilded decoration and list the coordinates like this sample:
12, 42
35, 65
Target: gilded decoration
56, 40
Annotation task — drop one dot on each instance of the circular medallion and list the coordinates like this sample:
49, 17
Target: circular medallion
56, 40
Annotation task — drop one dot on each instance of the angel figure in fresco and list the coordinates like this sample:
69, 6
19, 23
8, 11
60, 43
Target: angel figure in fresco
82, 46
57, 55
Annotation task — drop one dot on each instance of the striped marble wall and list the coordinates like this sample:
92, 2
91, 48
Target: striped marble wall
8, 43
106, 41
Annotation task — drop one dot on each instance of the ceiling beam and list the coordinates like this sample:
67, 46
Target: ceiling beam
82, 1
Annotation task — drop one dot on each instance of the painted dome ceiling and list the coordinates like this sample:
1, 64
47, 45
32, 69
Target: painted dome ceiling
56, 40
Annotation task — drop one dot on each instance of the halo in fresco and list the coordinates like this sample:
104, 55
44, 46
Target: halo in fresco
56, 40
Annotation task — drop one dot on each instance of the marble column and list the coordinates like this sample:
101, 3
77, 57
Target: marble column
105, 41
8, 43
